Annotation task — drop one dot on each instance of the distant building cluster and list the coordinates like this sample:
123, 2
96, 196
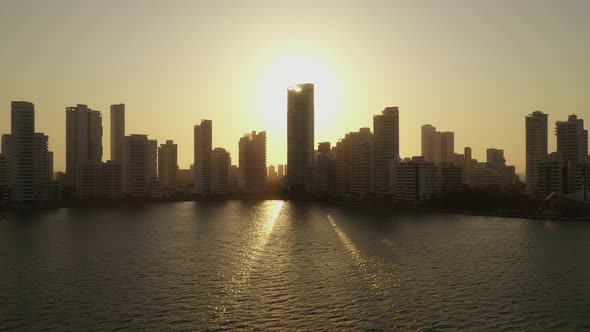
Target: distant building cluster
363, 163
368, 162
565, 172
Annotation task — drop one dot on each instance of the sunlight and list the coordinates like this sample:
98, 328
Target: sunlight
288, 71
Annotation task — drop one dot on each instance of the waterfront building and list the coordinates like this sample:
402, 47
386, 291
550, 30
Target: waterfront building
300, 134
168, 165
220, 171
386, 132
118, 132
83, 140
252, 161
536, 152
202, 161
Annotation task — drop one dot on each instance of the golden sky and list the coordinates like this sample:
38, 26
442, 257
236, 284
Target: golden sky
472, 67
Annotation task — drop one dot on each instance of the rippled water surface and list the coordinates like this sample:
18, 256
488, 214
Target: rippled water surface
277, 265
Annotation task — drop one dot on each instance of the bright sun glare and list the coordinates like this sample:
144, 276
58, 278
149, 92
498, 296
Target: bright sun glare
288, 71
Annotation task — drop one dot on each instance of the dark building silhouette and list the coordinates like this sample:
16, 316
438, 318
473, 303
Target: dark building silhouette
300, 134
202, 162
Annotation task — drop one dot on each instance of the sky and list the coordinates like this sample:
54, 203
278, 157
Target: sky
473, 67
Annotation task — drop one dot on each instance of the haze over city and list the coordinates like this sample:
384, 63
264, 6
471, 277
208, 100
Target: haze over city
470, 67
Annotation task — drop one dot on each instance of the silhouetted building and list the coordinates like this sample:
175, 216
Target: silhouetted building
451, 177
415, 180
493, 173
234, 179
83, 139
572, 139
466, 162
386, 131
136, 168
300, 133
362, 161
28, 164
536, 152
437, 146
281, 171
168, 165
252, 161
272, 173
321, 176
203, 146
117, 132
220, 171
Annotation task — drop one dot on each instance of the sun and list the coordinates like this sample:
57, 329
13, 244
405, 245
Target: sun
288, 71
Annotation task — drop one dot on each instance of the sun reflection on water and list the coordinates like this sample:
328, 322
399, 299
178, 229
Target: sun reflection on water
265, 216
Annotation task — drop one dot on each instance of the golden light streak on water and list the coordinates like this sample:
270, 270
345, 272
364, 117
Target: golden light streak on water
365, 265
237, 283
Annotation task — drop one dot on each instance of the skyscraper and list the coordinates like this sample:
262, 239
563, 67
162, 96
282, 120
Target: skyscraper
202, 162
22, 152
168, 164
300, 133
136, 166
220, 171
386, 134
252, 161
83, 139
536, 150
572, 139
28, 162
437, 146
117, 132
427, 131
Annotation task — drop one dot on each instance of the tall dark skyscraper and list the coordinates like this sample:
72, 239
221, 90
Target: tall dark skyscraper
386, 133
22, 151
536, 149
117, 132
202, 162
300, 133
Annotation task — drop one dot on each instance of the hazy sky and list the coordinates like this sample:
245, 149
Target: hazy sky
472, 67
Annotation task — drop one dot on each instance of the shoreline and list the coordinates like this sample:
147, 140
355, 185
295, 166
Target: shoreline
382, 205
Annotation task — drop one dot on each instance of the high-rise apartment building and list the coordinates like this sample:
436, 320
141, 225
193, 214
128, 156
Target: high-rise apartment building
252, 161
202, 160
28, 164
437, 146
168, 165
300, 133
83, 139
220, 171
386, 132
536, 151
136, 166
152, 159
572, 139
117, 132
22, 152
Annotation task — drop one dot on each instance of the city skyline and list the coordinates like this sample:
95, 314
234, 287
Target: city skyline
512, 61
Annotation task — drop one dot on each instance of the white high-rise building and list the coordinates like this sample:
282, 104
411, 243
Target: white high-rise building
386, 133
83, 139
117, 132
168, 164
536, 151
202, 163
220, 171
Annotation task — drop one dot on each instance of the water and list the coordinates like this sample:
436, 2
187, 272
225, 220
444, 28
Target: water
277, 265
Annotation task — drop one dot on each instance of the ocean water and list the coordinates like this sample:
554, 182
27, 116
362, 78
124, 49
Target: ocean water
281, 265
